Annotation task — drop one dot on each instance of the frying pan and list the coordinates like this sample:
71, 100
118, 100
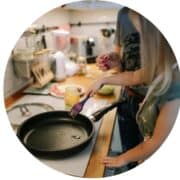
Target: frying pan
55, 134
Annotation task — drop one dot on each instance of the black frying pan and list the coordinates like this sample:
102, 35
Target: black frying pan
55, 134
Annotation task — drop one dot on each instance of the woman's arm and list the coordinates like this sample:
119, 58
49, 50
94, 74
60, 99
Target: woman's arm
127, 78
164, 124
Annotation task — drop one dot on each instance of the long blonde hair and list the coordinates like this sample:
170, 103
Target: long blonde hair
157, 56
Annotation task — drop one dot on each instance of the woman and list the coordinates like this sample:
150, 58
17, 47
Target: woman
157, 113
126, 57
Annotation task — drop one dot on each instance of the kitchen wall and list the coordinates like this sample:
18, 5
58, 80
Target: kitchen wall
53, 18
108, 15
11, 82
58, 17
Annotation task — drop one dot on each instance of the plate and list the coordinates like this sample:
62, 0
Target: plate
58, 90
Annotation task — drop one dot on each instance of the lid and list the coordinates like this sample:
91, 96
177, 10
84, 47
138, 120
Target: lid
19, 113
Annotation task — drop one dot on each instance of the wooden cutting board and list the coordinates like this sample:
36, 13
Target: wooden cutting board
42, 73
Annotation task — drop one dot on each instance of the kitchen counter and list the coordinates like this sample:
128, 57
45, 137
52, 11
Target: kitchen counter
104, 135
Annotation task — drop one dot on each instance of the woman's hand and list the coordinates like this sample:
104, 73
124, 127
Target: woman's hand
116, 161
95, 87
108, 61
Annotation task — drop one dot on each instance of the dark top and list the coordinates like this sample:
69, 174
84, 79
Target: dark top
128, 38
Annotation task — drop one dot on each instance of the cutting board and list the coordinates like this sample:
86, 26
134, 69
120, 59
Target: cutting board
42, 73
38, 91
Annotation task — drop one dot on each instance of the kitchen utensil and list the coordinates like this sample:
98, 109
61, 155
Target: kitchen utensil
43, 40
42, 73
107, 32
77, 108
19, 113
56, 134
24, 111
90, 43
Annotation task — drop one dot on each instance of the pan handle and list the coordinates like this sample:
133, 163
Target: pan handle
100, 113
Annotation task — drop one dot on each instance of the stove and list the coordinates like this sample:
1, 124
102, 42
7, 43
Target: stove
76, 164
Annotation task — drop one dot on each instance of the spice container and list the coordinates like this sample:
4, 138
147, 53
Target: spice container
81, 61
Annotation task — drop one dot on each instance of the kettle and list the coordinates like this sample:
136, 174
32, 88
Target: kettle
59, 66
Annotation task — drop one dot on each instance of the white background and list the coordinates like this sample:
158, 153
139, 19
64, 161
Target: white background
15, 161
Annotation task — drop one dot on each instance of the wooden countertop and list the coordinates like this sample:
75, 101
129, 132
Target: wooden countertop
95, 168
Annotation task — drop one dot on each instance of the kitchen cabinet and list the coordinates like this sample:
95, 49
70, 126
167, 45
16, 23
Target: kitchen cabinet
102, 143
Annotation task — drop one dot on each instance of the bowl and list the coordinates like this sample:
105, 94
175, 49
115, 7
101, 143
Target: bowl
106, 90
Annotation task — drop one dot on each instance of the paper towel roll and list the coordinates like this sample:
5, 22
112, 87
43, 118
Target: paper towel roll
60, 69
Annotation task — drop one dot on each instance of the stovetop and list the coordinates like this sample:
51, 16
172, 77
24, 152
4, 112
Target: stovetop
76, 164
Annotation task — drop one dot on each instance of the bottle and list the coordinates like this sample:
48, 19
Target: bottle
60, 69
81, 61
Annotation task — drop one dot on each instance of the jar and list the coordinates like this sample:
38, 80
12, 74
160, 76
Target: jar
81, 61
